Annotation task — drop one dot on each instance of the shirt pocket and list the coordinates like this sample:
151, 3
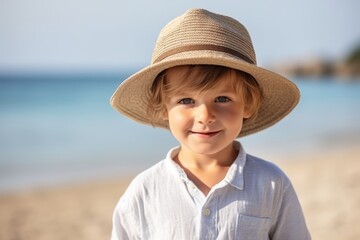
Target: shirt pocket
252, 228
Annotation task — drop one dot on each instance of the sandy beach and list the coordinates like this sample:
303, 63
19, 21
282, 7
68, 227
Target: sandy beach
327, 183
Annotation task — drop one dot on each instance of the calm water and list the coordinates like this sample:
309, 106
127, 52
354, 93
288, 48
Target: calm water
61, 128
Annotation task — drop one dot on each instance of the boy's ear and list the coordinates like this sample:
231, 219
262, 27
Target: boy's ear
247, 112
164, 115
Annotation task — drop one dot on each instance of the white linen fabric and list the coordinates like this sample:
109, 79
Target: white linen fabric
254, 201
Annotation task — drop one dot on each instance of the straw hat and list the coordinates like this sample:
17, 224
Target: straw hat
202, 37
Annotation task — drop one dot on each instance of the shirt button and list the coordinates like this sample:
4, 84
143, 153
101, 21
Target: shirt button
206, 212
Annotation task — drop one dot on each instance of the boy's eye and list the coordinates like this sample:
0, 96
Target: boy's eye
186, 101
222, 99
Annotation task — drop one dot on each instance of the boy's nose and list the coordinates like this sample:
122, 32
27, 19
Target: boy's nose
204, 114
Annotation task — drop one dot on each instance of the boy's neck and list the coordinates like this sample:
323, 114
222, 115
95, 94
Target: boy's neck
205, 171
192, 160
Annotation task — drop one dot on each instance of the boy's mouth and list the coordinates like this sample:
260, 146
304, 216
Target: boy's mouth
205, 134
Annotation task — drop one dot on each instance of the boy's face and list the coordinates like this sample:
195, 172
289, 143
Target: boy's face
205, 123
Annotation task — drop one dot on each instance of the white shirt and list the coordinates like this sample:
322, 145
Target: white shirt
254, 201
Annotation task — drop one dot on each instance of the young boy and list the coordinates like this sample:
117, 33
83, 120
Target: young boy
203, 84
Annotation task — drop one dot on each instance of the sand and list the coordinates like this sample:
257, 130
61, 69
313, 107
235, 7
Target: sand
327, 183
328, 187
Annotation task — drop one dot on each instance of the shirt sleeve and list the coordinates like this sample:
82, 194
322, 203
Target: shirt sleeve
124, 226
290, 223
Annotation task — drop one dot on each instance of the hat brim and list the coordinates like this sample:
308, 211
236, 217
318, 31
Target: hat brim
280, 94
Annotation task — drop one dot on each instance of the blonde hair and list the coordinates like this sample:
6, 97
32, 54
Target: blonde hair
201, 78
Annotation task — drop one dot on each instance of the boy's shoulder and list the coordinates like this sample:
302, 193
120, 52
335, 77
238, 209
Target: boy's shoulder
262, 168
150, 179
151, 174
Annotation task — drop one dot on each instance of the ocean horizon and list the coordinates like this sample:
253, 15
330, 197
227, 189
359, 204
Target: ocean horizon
60, 128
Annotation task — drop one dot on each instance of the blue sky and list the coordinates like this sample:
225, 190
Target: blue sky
114, 35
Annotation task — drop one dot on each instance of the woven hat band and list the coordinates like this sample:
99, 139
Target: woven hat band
203, 47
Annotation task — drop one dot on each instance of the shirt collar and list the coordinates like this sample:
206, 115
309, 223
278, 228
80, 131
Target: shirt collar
234, 176
174, 168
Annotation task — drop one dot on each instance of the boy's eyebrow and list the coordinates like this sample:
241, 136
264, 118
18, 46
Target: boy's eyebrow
185, 94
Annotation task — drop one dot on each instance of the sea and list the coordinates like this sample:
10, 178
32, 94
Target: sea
59, 128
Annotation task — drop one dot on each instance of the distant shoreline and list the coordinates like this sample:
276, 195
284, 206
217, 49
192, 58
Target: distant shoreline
319, 68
